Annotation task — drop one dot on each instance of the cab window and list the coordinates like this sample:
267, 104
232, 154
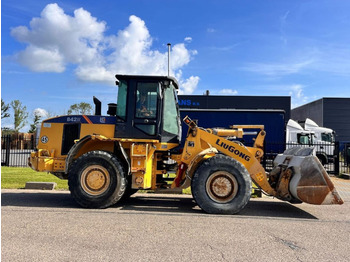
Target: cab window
121, 107
146, 100
170, 121
303, 139
327, 137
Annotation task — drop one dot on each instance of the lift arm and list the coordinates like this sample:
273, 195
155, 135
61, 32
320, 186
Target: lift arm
199, 139
297, 175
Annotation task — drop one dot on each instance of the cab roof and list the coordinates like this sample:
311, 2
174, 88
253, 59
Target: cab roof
144, 77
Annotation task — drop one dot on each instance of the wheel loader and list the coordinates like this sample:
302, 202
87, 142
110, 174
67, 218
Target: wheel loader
107, 158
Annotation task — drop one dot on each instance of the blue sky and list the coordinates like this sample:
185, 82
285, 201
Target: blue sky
57, 53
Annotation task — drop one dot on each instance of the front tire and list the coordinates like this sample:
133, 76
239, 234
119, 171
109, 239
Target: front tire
128, 191
221, 185
97, 180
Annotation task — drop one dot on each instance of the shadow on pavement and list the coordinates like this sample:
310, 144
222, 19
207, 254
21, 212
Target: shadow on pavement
154, 203
262, 208
41, 199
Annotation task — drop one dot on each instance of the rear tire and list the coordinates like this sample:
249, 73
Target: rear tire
97, 180
221, 185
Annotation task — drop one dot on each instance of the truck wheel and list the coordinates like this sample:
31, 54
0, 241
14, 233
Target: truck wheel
221, 185
322, 159
97, 180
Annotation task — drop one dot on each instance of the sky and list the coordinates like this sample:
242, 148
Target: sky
58, 53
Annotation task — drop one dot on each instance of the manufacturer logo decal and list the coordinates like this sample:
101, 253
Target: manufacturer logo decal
102, 120
44, 139
232, 149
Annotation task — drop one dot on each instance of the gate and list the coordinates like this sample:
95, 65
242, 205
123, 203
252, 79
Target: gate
344, 160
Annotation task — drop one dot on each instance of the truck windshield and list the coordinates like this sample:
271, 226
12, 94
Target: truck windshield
121, 104
327, 137
304, 139
170, 116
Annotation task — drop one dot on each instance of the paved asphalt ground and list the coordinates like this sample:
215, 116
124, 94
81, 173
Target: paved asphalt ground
50, 226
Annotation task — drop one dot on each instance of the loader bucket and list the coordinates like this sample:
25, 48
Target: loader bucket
309, 181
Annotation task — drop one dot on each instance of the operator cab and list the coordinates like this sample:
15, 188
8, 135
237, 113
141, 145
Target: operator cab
147, 108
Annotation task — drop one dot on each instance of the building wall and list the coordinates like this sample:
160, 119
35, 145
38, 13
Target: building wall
336, 115
313, 110
333, 113
236, 102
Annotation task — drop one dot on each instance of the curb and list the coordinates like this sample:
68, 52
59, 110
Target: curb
344, 176
41, 185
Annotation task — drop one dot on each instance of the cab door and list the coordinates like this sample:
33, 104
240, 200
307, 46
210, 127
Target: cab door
146, 112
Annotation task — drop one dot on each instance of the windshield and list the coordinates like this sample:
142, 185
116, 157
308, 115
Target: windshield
170, 116
304, 139
327, 137
122, 91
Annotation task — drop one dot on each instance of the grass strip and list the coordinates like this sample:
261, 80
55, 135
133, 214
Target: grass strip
16, 178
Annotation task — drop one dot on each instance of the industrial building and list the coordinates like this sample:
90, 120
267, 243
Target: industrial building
328, 112
236, 102
272, 112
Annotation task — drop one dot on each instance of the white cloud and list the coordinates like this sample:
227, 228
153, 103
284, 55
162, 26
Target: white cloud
41, 60
211, 30
188, 39
228, 91
297, 94
187, 86
330, 58
225, 48
56, 39
41, 112
277, 69
283, 23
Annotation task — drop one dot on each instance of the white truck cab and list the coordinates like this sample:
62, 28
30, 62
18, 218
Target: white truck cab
296, 135
320, 138
322, 134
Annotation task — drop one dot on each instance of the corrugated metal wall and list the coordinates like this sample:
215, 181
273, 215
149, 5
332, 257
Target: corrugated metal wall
336, 115
313, 110
236, 102
333, 113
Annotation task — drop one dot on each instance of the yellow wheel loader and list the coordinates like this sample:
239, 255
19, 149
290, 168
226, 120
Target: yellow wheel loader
137, 145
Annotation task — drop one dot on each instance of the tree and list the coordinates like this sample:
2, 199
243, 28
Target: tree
36, 121
20, 114
80, 109
4, 109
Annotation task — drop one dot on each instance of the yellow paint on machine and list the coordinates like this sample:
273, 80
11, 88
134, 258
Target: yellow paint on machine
50, 133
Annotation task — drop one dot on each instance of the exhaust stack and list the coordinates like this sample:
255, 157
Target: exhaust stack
169, 45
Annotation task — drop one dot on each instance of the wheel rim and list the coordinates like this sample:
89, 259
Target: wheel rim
222, 187
95, 180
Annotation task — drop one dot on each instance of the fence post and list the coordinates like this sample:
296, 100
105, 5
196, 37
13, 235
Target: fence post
8, 148
336, 158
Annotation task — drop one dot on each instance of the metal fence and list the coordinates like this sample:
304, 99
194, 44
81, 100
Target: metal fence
15, 150
337, 162
344, 159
